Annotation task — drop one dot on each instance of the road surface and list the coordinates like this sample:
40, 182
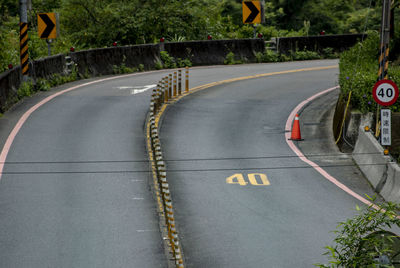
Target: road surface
74, 190
241, 196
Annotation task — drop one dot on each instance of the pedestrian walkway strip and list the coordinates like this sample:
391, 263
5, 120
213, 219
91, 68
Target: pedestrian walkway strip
320, 170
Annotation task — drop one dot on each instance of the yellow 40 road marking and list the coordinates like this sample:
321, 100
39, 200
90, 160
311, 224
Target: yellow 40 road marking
256, 179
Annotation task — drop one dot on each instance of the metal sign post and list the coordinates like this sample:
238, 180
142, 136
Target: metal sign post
49, 41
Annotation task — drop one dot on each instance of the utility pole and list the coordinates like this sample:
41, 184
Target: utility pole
384, 54
24, 38
385, 38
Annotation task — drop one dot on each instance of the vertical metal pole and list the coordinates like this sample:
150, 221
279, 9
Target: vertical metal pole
175, 84
48, 41
170, 86
187, 80
179, 82
384, 54
166, 89
24, 39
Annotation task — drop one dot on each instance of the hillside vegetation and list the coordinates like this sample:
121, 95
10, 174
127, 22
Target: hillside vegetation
99, 23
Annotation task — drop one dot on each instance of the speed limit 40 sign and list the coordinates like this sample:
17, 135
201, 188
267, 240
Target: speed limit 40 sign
385, 92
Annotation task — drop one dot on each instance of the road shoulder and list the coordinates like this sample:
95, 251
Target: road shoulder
319, 145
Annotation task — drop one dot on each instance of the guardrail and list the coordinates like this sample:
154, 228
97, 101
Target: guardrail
169, 88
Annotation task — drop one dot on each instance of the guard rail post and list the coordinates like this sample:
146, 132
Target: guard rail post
175, 87
166, 90
170, 86
179, 82
187, 80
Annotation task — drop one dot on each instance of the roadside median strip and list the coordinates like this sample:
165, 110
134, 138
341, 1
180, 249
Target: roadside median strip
167, 90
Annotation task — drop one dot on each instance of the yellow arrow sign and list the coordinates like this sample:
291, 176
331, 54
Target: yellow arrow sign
251, 12
47, 25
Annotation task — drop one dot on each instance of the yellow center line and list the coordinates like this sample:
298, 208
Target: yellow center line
193, 90
201, 87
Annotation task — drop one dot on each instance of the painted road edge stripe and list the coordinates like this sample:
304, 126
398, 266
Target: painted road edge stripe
290, 143
297, 151
27, 114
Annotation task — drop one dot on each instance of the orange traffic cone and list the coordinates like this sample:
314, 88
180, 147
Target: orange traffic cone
296, 135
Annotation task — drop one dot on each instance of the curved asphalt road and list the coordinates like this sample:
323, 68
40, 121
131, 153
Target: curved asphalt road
238, 128
78, 205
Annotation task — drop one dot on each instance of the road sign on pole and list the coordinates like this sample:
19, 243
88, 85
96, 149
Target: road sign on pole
386, 127
385, 92
47, 25
253, 12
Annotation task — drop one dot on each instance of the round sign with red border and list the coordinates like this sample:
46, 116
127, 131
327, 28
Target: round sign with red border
385, 92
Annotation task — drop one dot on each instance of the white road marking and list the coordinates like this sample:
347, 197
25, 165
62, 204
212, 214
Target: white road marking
138, 198
138, 89
144, 231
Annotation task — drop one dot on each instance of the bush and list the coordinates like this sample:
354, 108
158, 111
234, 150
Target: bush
359, 240
159, 65
25, 90
141, 67
305, 55
359, 72
42, 85
230, 59
329, 53
184, 63
169, 62
267, 56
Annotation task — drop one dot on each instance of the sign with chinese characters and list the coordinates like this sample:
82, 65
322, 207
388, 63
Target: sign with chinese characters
386, 129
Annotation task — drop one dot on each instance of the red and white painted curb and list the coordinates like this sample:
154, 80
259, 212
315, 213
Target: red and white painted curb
297, 151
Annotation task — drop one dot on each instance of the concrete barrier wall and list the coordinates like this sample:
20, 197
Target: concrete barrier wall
382, 173
213, 52
46, 67
339, 43
41, 68
9, 84
101, 61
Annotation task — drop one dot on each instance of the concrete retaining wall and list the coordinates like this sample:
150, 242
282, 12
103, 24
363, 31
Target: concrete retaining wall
9, 84
100, 61
214, 52
339, 43
46, 67
383, 174
41, 68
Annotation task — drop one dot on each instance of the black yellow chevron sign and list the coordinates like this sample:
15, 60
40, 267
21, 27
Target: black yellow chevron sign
252, 12
23, 42
47, 25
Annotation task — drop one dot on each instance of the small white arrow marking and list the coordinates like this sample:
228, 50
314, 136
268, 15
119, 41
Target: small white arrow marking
137, 90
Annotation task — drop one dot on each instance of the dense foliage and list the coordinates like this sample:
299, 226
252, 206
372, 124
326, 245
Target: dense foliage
359, 72
99, 23
363, 241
